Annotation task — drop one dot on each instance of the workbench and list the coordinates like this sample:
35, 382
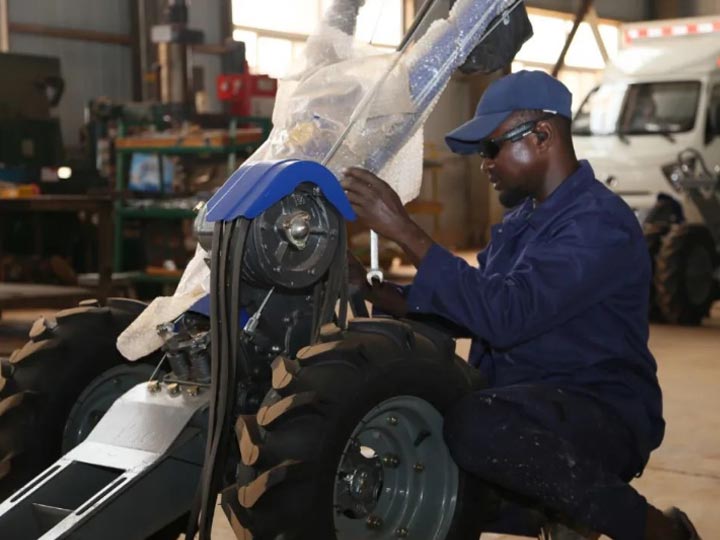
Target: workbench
30, 295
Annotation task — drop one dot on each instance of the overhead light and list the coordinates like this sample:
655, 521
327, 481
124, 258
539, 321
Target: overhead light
64, 173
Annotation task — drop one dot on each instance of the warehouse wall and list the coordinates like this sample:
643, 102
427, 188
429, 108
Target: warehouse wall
93, 69
89, 69
208, 17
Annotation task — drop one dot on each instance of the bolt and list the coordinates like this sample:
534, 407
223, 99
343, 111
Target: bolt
153, 386
391, 460
193, 391
418, 467
392, 420
401, 532
173, 389
373, 522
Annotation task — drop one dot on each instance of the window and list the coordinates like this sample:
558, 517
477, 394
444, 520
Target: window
639, 109
274, 31
665, 107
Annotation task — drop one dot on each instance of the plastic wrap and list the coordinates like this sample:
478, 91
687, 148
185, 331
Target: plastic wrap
349, 107
346, 106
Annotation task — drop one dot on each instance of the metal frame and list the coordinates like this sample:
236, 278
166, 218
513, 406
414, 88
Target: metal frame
142, 459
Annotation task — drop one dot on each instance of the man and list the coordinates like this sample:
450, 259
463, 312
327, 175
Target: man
558, 315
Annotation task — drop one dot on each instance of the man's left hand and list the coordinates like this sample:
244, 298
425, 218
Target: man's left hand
379, 207
375, 203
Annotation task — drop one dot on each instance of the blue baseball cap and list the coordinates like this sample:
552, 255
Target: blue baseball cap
524, 90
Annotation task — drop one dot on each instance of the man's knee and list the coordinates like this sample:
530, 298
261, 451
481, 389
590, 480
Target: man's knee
470, 429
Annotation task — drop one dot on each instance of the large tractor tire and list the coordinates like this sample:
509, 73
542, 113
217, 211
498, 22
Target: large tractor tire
653, 239
685, 287
55, 388
348, 443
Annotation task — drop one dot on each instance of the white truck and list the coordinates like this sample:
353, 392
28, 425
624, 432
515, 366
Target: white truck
660, 96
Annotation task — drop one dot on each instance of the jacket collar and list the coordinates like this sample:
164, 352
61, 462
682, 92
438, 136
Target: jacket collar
563, 195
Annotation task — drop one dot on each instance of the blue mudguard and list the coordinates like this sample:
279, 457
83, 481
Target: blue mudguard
202, 306
255, 187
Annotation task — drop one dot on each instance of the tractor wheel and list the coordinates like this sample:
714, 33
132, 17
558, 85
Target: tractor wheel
41, 415
348, 444
653, 239
685, 287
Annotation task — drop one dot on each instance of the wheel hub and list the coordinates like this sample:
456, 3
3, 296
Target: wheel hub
363, 478
396, 476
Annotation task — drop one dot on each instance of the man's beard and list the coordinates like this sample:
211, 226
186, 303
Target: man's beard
510, 198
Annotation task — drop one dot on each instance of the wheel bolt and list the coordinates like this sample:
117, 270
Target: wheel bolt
153, 386
373, 522
418, 467
391, 460
392, 420
402, 532
173, 389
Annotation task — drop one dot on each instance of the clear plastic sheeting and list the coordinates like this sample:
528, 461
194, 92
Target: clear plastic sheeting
348, 107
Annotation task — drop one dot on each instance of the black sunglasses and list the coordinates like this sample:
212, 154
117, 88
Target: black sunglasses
490, 148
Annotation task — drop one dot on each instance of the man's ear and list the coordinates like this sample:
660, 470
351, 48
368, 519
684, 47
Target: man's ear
545, 133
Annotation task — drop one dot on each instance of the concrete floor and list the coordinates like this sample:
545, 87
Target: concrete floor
684, 472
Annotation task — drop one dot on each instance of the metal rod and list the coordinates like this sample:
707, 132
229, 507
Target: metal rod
593, 20
582, 12
4, 27
422, 12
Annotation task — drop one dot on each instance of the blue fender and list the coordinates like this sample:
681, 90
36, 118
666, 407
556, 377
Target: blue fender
202, 306
255, 187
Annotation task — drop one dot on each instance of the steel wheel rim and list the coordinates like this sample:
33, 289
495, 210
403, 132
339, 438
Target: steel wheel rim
418, 481
97, 399
698, 275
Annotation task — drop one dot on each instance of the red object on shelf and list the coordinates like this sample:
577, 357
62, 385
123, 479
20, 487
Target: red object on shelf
247, 94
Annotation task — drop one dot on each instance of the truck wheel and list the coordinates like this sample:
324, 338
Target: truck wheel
685, 287
348, 445
653, 239
41, 382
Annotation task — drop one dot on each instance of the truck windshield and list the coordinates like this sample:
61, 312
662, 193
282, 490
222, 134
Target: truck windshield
639, 109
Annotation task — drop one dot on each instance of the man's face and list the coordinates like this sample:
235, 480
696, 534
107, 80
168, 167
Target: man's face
514, 170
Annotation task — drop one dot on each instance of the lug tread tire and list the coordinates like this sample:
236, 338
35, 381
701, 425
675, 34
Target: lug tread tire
42, 381
671, 297
653, 239
286, 476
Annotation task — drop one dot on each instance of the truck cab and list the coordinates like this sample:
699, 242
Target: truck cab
660, 96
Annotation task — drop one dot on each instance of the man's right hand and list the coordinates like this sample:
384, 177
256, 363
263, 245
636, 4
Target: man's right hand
383, 296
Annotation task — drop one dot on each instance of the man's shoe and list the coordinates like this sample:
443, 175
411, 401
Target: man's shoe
683, 523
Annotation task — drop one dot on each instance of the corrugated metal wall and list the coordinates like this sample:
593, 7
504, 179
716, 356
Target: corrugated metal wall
89, 69
93, 69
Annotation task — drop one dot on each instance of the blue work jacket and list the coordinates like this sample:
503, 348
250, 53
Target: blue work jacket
560, 298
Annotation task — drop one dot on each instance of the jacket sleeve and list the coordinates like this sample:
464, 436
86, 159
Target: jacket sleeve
555, 279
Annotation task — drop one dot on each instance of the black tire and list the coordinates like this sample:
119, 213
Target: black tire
653, 239
684, 274
41, 382
290, 450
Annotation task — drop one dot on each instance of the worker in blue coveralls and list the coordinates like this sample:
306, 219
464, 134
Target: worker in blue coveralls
557, 312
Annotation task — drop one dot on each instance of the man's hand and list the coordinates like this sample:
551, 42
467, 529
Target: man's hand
384, 296
380, 208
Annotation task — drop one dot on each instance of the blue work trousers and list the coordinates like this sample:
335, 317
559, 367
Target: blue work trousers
554, 449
